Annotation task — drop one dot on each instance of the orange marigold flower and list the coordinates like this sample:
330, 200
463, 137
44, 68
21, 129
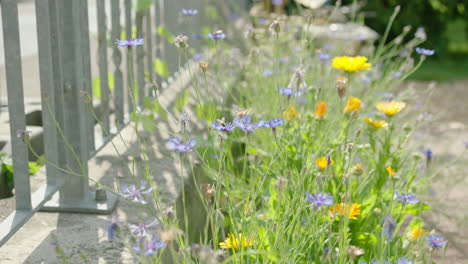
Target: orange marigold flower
391, 171
341, 209
390, 108
324, 162
353, 105
320, 110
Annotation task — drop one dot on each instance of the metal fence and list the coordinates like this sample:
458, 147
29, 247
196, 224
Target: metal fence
63, 40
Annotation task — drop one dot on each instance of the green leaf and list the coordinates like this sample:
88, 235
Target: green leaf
142, 5
160, 67
182, 101
417, 209
147, 121
163, 32
212, 12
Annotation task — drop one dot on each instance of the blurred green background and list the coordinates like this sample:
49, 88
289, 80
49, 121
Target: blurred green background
446, 25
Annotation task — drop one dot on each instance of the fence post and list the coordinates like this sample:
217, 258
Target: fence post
75, 196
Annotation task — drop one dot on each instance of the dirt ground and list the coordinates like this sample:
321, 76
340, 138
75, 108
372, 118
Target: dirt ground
447, 136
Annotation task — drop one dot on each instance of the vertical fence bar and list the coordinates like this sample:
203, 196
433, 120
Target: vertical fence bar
140, 53
14, 80
160, 8
129, 33
102, 62
117, 58
44, 40
149, 46
86, 68
76, 187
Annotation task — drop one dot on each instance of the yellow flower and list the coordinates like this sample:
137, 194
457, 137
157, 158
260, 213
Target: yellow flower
290, 113
341, 209
416, 233
237, 242
390, 108
320, 110
324, 162
376, 123
351, 64
391, 171
357, 169
353, 105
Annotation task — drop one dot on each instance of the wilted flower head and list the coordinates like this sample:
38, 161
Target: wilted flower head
24, 135
217, 35
189, 12
389, 227
139, 230
275, 27
390, 108
420, 33
409, 198
425, 52
149, 248
341, 86
319, 199
134, 193
351, 64
129, 42
435, 241
180, 147
355, 252
203, 66
181, 41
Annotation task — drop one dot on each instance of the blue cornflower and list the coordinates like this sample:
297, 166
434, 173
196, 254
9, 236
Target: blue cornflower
197, 57
397, 75
268, 73
134, 193
218, 35
189, 12
319, 199
323, 57
129, 42
140, 229
409, 198
425, 52
151, 247
286, 91
429, 154
274, 123
245, 125
389, 227
404, 260
276, 2
435, 241
223, 127
262, 21
176, 144
112, 228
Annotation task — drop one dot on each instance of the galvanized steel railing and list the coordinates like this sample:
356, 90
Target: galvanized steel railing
65, 73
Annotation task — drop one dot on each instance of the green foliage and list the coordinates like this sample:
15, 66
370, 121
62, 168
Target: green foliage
161, 68
165, 33
142, 5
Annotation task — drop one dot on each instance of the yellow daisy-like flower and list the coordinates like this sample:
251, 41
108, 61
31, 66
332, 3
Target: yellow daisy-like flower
290, 113
341, 209
320, 110
324, 162
237, 242
390, 108
351, 64
375, 123
353, 105
357, 169
416, 233
391, 171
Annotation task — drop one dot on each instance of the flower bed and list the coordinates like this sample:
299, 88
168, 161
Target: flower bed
310, 165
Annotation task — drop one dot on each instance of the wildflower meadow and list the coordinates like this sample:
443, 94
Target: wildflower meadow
304, 155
